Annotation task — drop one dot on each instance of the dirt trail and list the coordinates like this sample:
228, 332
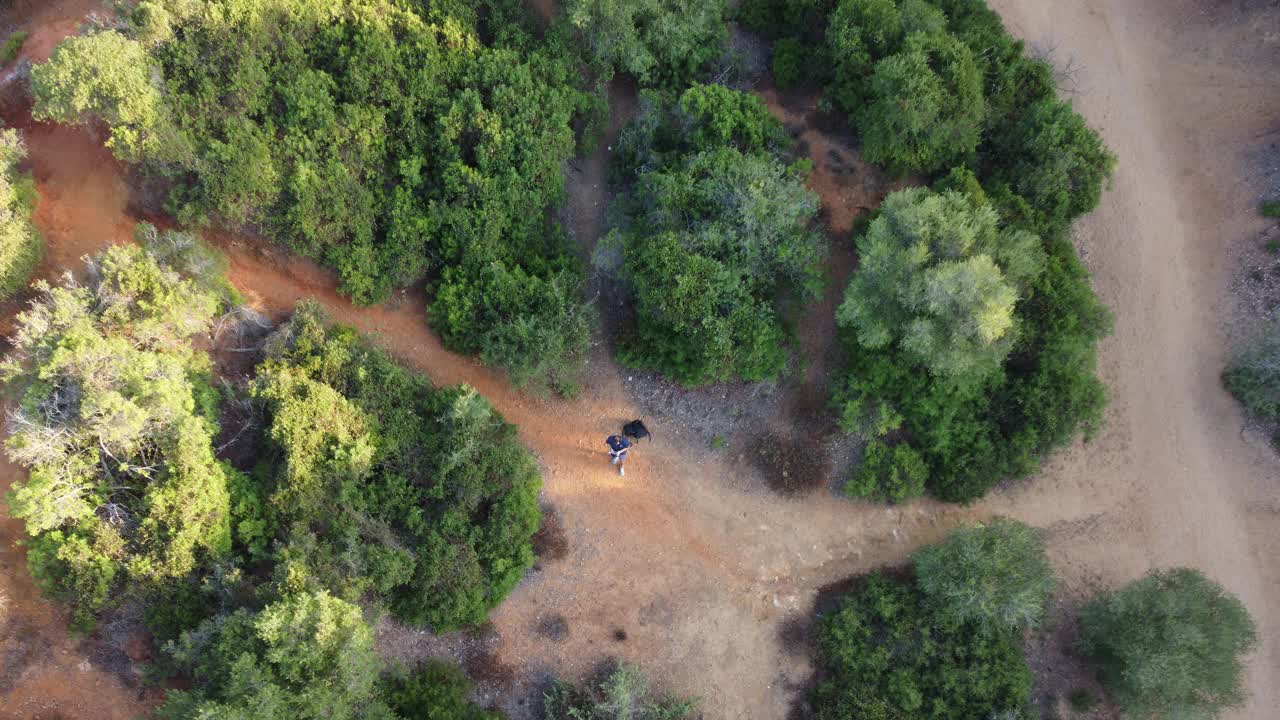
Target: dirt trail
704, 575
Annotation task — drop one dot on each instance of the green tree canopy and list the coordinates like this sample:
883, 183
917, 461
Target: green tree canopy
860, 33
994, 575
883, 653
308, 656
393, 141
1170, 645
116, 423
714, 228
20, 243
658, 42
939, 278
925, 110
108, 76
377, 482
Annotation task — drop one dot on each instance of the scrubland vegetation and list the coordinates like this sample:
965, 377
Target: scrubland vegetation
970, 323
393, 143
942, 641
402, 143
20, 244
370, 485
944, 638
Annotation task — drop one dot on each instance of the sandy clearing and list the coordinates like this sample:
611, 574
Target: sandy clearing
703, 574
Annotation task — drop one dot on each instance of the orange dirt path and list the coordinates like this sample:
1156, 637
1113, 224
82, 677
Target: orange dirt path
704, 573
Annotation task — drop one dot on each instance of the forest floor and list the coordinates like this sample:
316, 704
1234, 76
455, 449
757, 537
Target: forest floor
693, 567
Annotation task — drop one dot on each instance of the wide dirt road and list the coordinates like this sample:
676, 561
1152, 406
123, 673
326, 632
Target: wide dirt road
1184, 92
693, 571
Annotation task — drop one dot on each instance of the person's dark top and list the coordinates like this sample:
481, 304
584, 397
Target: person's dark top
618, 443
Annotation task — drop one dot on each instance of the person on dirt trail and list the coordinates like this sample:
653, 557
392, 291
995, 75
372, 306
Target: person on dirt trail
618, 447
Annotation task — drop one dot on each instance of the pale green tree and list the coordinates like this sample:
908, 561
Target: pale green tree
995, 575
940, 278
116, 424
306, 656
106, 76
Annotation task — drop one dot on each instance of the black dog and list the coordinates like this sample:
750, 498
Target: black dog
637, 430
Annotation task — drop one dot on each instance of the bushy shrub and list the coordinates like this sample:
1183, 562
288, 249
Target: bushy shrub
658, 42
890, 474
791, 62
1254, 374
884, 654
12, 46
714, 228
392, 143
624, 694
115, 424
974, 429
1170, 645
20, 243
996, 575
306, 656
925, 108
1054, 162
859, 34
384, 484
704, 117
433, 691
107, 76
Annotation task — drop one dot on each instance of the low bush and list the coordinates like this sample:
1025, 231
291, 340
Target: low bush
1270, 209
1253, 376
20, 243
12, 46
714, 228
889, 473
791, 62
1171, 644
624, 694
433, 691
994, 574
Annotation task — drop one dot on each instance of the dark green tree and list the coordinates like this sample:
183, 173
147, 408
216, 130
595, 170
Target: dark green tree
658, 42
714, 228
884, 654
1170, 645
925, 108
20, 243
382, 484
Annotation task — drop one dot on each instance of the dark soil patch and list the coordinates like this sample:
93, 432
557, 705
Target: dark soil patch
620, 635
487, 669
791, 465
553, 627
551, 542
20, 645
